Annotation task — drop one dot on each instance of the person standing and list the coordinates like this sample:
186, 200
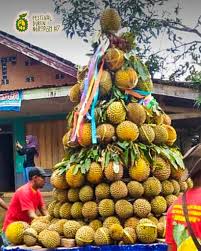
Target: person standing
183, 222
27, 200
30, 150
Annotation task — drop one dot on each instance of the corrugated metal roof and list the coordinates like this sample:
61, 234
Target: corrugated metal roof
38, 54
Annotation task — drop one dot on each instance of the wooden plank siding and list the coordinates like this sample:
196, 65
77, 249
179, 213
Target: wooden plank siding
49, 134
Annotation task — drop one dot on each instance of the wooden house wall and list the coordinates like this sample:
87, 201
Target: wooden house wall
18, 71
49, 134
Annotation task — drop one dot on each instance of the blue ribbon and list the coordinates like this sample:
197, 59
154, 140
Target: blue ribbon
141, 92
93, 120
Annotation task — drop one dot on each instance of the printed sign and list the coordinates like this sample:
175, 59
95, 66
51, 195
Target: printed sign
10, 101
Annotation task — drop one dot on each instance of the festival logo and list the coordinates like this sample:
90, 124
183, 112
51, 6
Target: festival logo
22, 23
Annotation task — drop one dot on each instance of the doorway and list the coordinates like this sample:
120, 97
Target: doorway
7, 177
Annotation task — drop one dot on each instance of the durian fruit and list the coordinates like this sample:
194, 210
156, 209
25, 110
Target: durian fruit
90, 210
110, 172
124, 209
102, 236
116, 232
56, 209
126, 78
189, 183
70, 228
76, 210
75, 93
167, 187
95, 173
183, 186
170, 199
157, 119
84, 236
140, 171
146, 85
116, 112
162, 219
102, 191
158, 205
161, 230
85, 135
60, 195
109, 221
166, 119
86, 193
161, 168
39, 226
114, 59
65, 211
135, 189
141, 208
30, 237
74, 180
127, 131
161, 135
105, 133
14, 232
129, 236
96, 224
50, 207
58, 180
73, 194
105, 84
46, 219
152, 187
67, 142
176, 186
177, 173
146, 134
58, 226
118, 190
49, 239
106, 207
172, 135
136, 113
146, 231
110, 20
153, 218
131, 222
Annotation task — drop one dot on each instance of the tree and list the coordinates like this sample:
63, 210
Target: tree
148, 20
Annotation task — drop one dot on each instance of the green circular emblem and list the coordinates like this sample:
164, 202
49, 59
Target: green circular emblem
22, 23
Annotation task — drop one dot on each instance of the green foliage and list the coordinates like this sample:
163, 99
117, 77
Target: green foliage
147, 20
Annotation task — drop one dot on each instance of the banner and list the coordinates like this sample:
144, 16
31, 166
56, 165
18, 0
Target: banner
10, 101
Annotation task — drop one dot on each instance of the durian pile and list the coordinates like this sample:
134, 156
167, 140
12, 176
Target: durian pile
114, 188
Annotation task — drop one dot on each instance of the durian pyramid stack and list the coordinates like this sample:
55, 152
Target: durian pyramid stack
118, 189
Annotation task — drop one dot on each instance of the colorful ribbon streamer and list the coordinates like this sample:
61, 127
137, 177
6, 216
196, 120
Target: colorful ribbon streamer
90, 93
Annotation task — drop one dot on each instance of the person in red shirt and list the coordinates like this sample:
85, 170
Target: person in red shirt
177, 234
27, 200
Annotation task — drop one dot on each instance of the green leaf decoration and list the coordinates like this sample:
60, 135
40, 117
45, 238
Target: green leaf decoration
75, 169
140, 68
23, 15
116, 166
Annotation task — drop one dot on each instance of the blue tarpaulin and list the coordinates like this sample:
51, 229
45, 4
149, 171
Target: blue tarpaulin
136, 247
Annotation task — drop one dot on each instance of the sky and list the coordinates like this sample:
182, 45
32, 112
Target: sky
74, 50
56, 42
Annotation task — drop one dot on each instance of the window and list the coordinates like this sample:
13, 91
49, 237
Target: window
29, 79
5, 81
60, 76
